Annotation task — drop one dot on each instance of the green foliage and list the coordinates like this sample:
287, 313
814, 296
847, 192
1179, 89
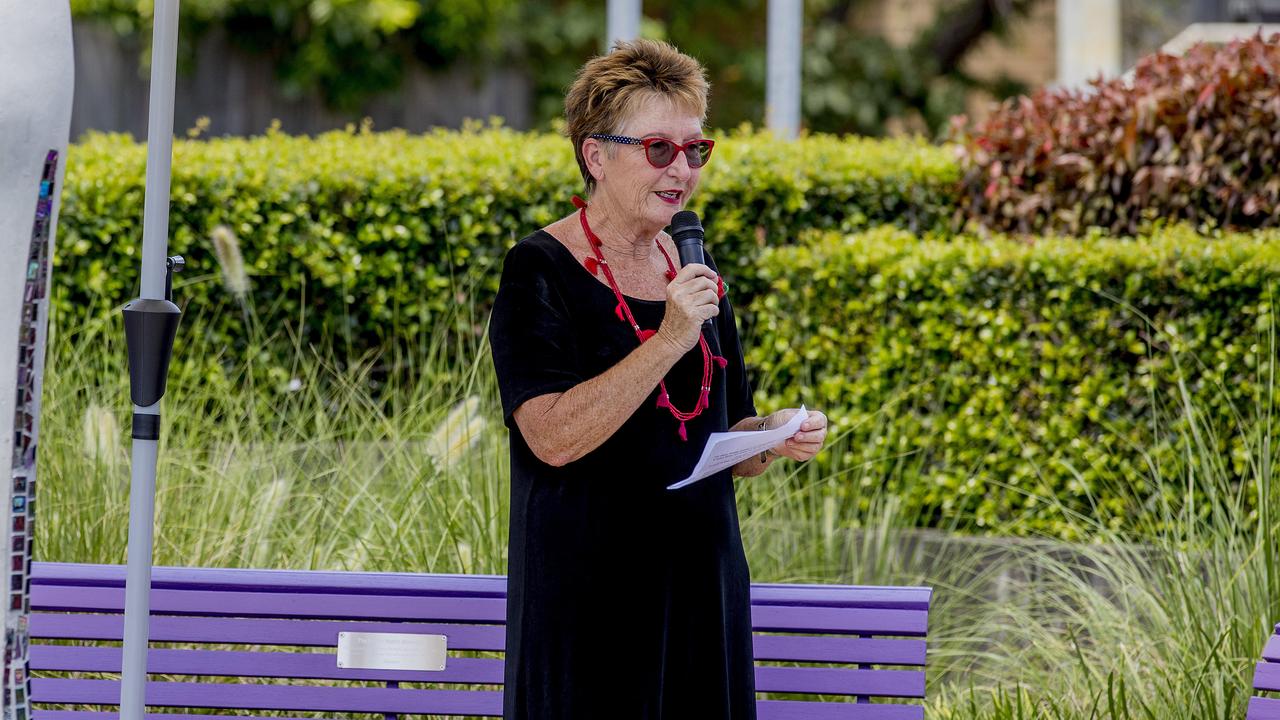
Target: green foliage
1192, 138
854, 81
1015, 373
368, 239
351, 50
346, 49
857, 84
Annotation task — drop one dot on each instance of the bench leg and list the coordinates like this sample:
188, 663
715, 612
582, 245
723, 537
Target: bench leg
864, 699
392, 684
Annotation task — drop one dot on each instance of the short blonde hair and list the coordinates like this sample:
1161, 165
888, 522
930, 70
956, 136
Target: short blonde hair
610, 87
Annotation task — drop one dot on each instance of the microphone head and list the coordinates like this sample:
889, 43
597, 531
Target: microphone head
685, 225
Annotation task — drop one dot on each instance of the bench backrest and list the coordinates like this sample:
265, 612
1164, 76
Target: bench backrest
271, 635
1266, 678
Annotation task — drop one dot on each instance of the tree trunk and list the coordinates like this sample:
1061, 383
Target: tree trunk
958, 29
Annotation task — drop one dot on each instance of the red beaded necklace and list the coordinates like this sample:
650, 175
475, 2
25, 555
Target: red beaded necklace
623, 311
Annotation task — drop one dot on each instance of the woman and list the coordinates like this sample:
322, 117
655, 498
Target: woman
626, 600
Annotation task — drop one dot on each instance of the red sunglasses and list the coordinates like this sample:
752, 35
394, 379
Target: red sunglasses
661, 152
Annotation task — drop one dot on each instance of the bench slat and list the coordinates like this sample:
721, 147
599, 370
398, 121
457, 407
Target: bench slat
321, 606
1266, 676
229, 696
809, 648
104, 715
234, 663
840, 681
324, 633
483, 671
1272, 650
1263, 709
799, 710
318, 699
889, 598
385, 583
766, 709
854, 621
263, 604
255, 631
362, 583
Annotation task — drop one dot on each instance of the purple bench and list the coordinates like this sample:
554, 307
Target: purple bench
1266, 677
256, 632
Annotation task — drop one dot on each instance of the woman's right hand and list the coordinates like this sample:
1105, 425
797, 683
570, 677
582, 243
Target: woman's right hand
692, 298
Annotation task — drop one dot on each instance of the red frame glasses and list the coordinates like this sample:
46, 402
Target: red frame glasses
696, 152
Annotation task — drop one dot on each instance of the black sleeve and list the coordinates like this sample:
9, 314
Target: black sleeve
737, 389
529, 332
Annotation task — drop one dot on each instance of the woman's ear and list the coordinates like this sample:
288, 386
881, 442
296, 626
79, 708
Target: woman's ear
593, 153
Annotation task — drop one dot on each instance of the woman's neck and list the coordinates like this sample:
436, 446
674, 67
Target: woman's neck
620, 235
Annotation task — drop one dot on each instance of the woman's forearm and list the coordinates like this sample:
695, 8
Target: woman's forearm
562, 427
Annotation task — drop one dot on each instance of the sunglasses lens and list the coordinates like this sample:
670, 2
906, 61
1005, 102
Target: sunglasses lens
698, 153
661, 153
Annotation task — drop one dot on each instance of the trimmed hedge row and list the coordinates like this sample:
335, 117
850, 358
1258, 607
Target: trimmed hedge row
1022, 382
374, 237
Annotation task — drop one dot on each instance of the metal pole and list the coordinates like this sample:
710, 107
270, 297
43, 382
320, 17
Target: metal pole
624, 21
146, 422
782, 56
155, 229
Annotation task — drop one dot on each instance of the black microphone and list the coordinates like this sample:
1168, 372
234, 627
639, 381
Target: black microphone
686, 231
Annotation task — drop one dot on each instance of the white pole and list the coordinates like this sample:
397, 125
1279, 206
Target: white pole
624, 21
155, 240
783, 46
1089, 41
155, 229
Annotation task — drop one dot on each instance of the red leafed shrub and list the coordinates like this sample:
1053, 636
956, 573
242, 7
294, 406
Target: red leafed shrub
1193, 138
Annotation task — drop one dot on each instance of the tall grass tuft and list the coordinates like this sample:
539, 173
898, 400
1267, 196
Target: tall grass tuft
226, 248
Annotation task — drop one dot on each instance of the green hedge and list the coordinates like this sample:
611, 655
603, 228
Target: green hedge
1010, 376
385, 233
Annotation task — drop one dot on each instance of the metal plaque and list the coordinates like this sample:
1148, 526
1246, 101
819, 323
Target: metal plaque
392, 651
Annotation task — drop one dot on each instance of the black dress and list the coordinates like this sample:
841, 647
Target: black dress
624, 599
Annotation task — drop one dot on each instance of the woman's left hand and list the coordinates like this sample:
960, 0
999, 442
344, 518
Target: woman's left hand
807, 441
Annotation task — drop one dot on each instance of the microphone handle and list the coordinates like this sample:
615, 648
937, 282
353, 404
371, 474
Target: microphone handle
691, 252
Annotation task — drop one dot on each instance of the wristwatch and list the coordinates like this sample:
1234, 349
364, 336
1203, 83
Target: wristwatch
764, 456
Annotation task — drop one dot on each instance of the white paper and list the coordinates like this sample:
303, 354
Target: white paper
726, 449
